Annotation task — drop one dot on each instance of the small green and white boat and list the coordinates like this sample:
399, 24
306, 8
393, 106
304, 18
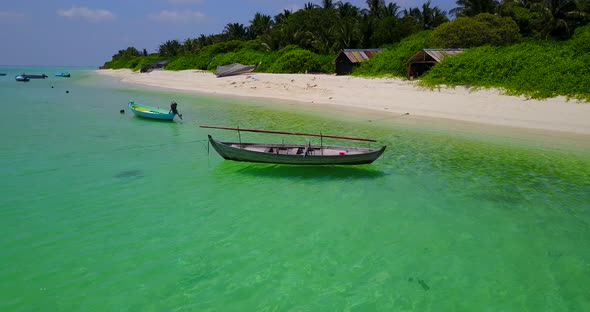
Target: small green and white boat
151, 112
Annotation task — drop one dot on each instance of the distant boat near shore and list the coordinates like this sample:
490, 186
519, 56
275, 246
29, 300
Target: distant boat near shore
42, 76
21, 78
2, 74
62, 75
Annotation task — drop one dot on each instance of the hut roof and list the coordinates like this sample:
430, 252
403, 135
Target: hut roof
435, 55
358, 55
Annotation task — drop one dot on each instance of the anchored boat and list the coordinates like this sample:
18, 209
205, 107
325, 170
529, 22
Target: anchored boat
295, 154
30, 76
21, 78
154, 112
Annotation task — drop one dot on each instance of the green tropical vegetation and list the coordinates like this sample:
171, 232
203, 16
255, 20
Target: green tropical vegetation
537, 48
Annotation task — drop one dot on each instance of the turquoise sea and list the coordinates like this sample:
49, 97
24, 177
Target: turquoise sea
103, 211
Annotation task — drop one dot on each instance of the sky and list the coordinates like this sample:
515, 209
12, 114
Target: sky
90, 32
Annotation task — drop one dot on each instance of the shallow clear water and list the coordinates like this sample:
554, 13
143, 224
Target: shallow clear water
104, 211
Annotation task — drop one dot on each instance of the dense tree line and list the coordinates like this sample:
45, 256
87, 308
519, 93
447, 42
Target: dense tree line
498, 36
330, 26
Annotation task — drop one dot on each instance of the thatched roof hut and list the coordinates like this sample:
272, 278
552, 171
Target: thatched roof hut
423, 60
348, 58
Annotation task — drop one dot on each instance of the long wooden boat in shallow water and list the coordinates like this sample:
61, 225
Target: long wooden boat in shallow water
295, 154
154, 112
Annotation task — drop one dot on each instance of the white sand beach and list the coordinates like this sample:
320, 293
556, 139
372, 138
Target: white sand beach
386, 96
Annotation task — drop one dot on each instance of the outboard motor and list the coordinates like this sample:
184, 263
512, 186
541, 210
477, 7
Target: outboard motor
173, 109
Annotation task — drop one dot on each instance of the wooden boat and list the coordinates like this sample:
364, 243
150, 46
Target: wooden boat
154, 112
67, 75
295, 154
42, 76
233, 69
21, 78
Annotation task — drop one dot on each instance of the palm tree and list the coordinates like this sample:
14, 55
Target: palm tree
558, 17
260, 25
130, 51
427, 18
348, 34
170, 48
328, 4
190, 45
310, 6
281, 18
203, 41
235, 31
347, 10
392, 9
474, 7
432, 17
376, 8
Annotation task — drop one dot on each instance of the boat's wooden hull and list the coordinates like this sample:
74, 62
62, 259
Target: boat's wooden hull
42, 76
293, 154
150, 112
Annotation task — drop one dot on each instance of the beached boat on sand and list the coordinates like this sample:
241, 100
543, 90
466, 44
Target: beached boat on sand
233, 69
154, 112
295, 154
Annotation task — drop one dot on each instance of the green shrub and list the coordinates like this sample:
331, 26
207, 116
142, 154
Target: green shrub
468, 32
327, 64
535, 69
199, 61
392, 61
580, 42
297, 61
270, 58
125, 62
246, 57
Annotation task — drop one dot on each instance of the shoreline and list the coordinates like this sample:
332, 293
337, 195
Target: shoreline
385, 97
